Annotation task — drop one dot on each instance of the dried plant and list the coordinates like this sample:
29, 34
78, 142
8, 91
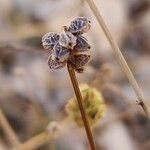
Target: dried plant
71, 48
52, 131
120, 57
11, 135
93, 104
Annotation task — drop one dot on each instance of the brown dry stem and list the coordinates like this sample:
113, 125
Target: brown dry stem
10, 133
36, 141
79, 100
120, 57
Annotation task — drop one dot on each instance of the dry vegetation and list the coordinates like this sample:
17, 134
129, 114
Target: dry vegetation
33, 98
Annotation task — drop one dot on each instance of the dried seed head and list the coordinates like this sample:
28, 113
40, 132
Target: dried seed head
60, 53
70, 46
82, 44
79, 26
67, 40
54, 64
93, 104
79, 60
49, 40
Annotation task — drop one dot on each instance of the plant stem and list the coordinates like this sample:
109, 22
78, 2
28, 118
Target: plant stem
79, 100
120, 57
8, 130
42, 138
36, 141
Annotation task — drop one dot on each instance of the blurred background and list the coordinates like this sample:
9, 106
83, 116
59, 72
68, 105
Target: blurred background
32, 96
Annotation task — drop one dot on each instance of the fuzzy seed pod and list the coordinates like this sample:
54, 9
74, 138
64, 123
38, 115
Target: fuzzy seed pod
54, 64
79, 60
69, 46
93, 104
79, 26
49, 40
67, 40
60, 53
82, 44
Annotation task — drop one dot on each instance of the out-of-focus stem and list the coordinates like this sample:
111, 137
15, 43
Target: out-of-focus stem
79, 100
36, 141
4, 124
120, 57
44, 137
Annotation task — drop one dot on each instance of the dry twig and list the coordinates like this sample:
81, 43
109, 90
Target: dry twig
36, 141
8, 130
120, 57
79, 99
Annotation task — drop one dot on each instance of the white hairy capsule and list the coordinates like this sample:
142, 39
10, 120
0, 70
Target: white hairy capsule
79, 26
60, 53
67, 40
49, 40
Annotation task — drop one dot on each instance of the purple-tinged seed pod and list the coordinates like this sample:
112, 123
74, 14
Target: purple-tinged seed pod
79, 60
67, 40
49, 40
60, 53
82, 44
54, 64
79, 26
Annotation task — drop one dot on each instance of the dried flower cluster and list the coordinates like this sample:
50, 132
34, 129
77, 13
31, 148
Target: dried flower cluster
69, 46
93, 104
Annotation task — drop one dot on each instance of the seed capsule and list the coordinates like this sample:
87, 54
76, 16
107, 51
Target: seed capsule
67, 40
79, 26
54, 64
82, 44
60, 53
49, 40
79, 60
93, 104
69, 46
